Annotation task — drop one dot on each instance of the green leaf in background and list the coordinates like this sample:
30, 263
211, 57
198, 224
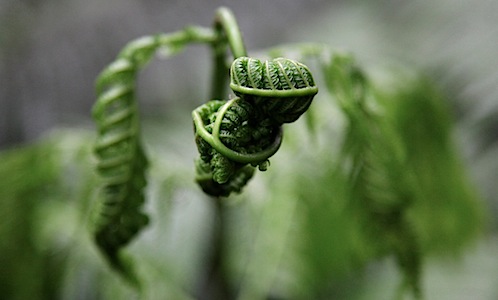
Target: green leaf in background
446, 213
44, 195
28, 176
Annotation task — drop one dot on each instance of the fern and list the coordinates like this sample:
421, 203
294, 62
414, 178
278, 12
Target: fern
370, 175
122, 162
375, 162
381, 186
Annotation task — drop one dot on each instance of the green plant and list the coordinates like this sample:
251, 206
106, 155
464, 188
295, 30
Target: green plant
369, 171
247, 129
229, 134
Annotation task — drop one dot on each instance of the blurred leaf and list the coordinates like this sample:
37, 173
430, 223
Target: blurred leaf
447, 213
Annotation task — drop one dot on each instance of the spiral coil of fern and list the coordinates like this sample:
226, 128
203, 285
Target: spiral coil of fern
248, 129
282, 88
229, 136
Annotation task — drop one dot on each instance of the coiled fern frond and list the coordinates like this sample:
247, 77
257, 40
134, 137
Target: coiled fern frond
122, 162
282, 88
247, 129
229, 136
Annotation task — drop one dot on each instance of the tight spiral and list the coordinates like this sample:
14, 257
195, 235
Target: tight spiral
282, 88
234, 136
229, 136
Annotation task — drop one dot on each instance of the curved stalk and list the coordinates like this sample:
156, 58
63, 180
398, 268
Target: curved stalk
228, 34
225, 23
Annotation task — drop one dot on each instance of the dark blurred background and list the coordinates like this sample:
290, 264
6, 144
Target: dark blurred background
51, 52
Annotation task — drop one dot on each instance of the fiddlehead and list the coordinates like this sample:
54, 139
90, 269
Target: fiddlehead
282, 88
229, 136
247, 129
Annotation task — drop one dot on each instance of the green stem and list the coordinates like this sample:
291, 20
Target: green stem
227, 32
226, 24
219, 77
215, 285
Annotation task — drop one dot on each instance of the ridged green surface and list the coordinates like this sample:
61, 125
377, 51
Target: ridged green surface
282, 88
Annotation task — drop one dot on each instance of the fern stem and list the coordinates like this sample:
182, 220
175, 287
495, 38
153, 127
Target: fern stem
226, 24
227, 32
214, 284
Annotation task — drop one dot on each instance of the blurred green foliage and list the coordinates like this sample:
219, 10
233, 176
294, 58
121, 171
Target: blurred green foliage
371, 179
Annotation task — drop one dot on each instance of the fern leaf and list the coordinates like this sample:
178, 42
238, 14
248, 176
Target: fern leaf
381, 187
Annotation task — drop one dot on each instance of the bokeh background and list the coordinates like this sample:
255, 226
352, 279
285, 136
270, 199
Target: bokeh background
51, 51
